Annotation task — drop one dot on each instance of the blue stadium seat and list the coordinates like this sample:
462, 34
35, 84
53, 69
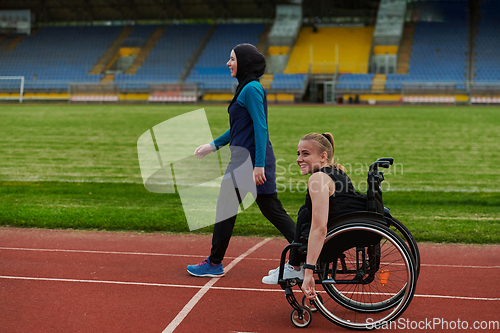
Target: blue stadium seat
355, 81
288, 82
210, 70
487, 65
439, 51
169, 57
55, 56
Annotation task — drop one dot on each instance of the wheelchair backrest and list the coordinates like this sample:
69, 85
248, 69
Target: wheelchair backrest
374, 189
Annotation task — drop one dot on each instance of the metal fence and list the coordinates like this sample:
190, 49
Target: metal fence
406, 92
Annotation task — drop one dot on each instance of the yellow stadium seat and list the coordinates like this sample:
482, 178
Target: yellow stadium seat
271, 97
218, 97
317, 51
278, 50
385, 49
284, 97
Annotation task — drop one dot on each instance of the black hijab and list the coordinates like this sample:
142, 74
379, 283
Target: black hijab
250, 66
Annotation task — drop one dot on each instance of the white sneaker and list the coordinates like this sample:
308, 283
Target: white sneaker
272, 271
276, 270
289, 273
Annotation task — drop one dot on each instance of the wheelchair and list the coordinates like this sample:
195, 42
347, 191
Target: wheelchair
368, 267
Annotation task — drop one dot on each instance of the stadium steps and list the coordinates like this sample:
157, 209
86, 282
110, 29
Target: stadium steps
474, 19
197, 53
108, 78
143, 54
262, 46
3, 44
12, 41
405, 49
110, 53
378, 83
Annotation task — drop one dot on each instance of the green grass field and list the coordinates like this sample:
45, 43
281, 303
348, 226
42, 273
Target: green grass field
76, 166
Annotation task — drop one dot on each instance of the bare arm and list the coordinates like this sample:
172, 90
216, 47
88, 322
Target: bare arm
320, 188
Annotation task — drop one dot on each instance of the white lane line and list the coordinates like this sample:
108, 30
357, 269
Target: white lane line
214, 288
196, 256
101, 252
416, 295
460, 297
190, 305
457, 266
120, 253
99, 281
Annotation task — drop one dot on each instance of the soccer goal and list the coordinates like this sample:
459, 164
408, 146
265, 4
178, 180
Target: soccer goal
12, 88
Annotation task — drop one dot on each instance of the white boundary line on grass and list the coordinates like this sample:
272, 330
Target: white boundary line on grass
196, 256
190, 305
139, 181
146, 284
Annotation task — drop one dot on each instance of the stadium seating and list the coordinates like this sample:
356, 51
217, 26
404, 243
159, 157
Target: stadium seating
320, 48
355, 81
210, 71
168, 58
139, 35
487, 66
288, 82
55, 56
52, 57
439, 51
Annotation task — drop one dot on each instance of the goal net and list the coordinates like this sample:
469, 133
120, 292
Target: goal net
173, 92
93, 92
12, 88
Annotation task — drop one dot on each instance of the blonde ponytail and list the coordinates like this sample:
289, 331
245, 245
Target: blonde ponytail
324, 142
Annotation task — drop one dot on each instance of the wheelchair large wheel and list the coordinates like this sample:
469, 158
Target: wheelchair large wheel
406, 235
348, 261
374, 283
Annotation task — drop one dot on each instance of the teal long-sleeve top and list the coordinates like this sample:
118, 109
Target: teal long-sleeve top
252, 99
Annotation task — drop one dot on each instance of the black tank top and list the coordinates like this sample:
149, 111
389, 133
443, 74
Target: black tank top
345, 199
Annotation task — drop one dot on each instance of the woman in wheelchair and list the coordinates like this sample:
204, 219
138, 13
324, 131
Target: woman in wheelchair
330, 193
366, 271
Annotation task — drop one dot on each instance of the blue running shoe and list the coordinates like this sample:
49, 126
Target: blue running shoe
205, 269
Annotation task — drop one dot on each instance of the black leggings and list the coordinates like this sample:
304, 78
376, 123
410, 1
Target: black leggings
271, 208
301, 234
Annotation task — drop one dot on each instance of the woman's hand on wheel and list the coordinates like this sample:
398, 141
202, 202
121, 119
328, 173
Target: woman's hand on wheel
308, 285
259, 175
203, 151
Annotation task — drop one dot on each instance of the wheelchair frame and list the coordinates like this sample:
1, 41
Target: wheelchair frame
375, 222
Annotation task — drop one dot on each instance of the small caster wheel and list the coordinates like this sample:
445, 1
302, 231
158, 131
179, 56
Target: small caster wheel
310, 304
301, 318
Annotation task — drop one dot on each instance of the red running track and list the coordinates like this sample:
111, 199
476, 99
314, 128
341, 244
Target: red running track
83, 281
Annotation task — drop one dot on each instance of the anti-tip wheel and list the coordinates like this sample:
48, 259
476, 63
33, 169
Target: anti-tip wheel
301, 318
310, 304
